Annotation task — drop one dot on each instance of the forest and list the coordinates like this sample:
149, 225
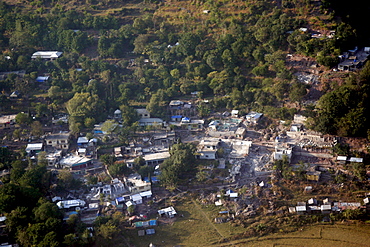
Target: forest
236, 57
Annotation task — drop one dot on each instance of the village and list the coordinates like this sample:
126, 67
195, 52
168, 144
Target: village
229, 142
238, 152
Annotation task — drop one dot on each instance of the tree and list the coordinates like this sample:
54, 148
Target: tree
23, 119
41, 109
297, 91
67, 181
84, 105
118, 169
108, 159
36, 129
157, 104
129, 115
180, 166
47, 210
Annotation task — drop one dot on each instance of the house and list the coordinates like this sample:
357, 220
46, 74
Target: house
253, 117
7, 121
75, 162
325, 209
301, 210
143, 113
146, 194
355, 159
34, 148
82, 141
120, 200
312, 201
47, 55
313, 175
58, 141
54, 158
42, 78
192, 124
15, 94
151, 159
176, 118
296, 127
19, 73
136, 185
151, 122
117, 115
353, 60
207, 149
281, 151
170, 212
118, 152
234, 113
150, 231
299, 119
176, 104
342, 159
240, 132
68, 204
137, 199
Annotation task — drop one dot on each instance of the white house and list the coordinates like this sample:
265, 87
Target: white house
71, 203
169, 212
47, 55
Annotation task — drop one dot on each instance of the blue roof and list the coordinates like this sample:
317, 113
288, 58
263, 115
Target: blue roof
153, 222
150, 231
120, 199
177, 116
153, 179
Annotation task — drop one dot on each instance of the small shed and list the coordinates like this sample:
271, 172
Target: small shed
176, 118
141, 233
152, 222
146, 194
325, 209
34, 147
137, 199
82, 141
301, 210
150, 231
169, 212
42, 78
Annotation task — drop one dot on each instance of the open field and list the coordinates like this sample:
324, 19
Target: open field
197, 228
319, 235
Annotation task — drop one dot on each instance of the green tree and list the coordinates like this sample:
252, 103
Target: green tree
108, 159
36, 129
23, 119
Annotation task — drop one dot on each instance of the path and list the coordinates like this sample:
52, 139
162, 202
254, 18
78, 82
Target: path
205, 216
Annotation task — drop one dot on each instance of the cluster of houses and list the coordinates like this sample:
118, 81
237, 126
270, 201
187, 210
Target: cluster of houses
313, 206
353, 59
57, 146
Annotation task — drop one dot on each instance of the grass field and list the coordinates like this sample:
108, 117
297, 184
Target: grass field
314, 236
197, 228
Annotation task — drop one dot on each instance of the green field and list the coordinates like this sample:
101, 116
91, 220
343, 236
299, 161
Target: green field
315, 236
197, 228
